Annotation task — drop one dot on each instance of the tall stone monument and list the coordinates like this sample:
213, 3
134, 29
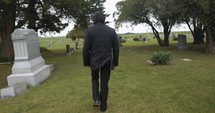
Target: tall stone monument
29, 67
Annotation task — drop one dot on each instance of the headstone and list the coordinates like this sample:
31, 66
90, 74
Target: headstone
147, 39
120, 40
50, 44
182, 42
69, 50
29, 67
61, 41
140, 37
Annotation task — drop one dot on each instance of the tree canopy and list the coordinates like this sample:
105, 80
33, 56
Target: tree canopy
77, 32
43, 15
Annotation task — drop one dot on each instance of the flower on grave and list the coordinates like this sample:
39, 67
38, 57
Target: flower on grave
154, 52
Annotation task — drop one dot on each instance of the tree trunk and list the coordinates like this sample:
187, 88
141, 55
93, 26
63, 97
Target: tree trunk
7, 47
77, 44
157, 36
7, 27
166, 37
198, 36
210, 40
155, 32
197, 31
167, 25
32, 15
198, 39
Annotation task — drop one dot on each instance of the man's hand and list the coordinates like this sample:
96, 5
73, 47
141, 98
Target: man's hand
88, 66
113, 67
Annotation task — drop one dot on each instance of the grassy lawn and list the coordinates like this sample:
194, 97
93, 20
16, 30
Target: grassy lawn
135, 86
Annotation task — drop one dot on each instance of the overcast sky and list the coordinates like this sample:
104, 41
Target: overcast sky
109, 9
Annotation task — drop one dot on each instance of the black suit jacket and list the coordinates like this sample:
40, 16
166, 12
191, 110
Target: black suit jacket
100, 45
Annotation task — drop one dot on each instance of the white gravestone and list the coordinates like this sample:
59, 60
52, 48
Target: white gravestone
29, 67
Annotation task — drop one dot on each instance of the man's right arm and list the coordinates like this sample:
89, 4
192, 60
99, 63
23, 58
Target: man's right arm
115, 50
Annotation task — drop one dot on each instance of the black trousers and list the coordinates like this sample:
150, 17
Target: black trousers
104, 75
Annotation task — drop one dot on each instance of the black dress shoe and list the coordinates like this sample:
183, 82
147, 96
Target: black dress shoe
96, 103
103, 107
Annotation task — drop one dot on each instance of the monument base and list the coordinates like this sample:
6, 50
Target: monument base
32, 79
13, 91
182, 47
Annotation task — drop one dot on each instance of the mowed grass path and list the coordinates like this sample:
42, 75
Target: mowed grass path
134, 87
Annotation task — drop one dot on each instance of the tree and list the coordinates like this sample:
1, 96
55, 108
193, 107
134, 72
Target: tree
188, 14
43, 15
7, 25
76, 33
197, 30
154, 13
83, 15
208, 20
163, 12
202, 13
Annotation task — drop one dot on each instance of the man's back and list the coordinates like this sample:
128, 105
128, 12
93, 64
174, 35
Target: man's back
101, 39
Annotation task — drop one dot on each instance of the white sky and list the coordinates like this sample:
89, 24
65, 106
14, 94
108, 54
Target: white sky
109, 9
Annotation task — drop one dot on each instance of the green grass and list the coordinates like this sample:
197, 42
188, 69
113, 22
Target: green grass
135, 86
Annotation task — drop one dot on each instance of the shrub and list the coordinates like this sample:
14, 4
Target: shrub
43, 49
4, 59
175, 38
123, 40
160, 57
136, 39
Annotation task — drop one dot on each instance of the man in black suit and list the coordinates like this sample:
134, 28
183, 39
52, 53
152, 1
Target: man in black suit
100, 53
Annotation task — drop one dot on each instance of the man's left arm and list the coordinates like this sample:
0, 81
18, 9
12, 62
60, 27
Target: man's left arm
115, 50
86, 50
